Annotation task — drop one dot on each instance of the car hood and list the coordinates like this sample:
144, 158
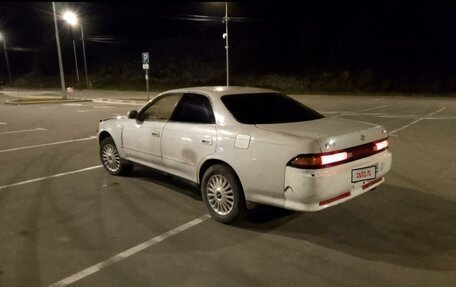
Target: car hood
330, 133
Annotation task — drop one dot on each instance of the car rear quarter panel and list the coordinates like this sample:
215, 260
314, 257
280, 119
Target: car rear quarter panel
260, 167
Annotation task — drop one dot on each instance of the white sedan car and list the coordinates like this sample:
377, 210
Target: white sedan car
245, 145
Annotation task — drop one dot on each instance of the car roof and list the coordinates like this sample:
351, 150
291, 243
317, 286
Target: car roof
219, 91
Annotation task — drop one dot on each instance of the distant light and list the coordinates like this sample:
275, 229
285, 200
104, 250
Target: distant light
70, 17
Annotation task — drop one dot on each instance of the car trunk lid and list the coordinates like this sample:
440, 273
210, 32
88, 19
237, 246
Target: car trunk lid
331, 134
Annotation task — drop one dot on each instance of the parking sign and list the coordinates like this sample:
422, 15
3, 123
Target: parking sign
145, 60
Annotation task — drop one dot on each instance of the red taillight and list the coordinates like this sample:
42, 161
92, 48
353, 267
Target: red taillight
381, 145
316, 161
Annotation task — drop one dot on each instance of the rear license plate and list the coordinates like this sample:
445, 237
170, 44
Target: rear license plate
364, 173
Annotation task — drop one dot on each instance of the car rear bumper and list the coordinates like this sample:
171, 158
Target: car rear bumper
316, 189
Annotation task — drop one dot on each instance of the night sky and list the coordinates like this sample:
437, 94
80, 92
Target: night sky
407, 42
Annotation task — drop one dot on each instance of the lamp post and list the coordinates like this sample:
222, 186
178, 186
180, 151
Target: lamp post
225, 36
84, 54
72, 19
6, 57
59, 54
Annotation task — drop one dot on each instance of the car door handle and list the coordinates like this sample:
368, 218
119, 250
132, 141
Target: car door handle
156, 134
207, 141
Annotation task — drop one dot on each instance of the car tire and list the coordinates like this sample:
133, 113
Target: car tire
223, 195
111, 160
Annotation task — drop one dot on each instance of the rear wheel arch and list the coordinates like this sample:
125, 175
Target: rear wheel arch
210, 162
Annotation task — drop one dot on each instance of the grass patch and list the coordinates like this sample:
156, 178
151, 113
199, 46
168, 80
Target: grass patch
333, 83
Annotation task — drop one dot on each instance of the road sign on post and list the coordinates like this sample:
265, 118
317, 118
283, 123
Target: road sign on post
145, 64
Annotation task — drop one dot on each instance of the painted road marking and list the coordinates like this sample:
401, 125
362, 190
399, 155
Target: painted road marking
2, 123
374, 108
129, 252
84, 111
48, 177
23, 131
335, 112
72, 105
120, 102
418, 120
440, 118
103, 107
94, 109
48, 144
381, 115
384, 115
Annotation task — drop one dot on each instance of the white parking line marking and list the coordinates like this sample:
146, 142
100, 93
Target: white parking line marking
418, 120
48, 144
72, 105
103, 107
397, 116
96, 109
440, 118
2, 123
47, 177
127, 253
384, 115
23, 131
374, 108
335, 112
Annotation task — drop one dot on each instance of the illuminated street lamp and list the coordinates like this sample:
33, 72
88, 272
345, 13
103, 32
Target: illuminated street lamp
72, 19
6, 58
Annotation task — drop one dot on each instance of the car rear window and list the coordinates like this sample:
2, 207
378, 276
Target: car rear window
268, 108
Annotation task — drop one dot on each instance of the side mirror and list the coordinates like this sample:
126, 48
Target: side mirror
132, 114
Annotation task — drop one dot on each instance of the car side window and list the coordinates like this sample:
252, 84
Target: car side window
193, 108
161, 110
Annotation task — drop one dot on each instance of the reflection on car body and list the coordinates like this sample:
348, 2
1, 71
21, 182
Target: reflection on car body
243, 144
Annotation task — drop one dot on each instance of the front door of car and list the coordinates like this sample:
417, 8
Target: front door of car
141, 137
189, 136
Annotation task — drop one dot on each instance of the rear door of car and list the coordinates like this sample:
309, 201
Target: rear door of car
189, 136
141, 137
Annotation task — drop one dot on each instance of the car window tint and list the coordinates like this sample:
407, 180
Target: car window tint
193, 108
268, 108
161, 109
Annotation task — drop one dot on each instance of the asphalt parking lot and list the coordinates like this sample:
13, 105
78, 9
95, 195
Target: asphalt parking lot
65, 221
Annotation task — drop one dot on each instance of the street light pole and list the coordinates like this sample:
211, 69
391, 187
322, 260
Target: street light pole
226, 19
84, 54
75, 59
72, 19
59, 54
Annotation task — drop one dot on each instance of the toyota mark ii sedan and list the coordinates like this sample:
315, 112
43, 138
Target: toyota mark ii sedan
248, 145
